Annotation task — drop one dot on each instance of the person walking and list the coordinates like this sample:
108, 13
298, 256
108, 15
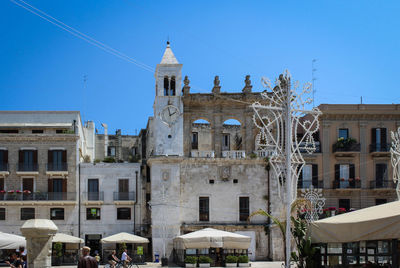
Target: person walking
87, 261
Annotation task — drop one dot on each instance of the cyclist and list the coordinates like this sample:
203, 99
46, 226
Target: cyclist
112, 259
125, 258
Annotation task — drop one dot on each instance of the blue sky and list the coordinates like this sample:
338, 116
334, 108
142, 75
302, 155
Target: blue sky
356, 44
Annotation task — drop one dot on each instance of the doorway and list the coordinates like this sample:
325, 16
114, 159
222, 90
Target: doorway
93, 241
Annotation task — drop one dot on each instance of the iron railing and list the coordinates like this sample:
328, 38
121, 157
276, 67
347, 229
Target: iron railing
93, 196
346, 184
121, 196
3, 166
57, 166
36, 196
340, 147
379, 147
26, 167
377, 184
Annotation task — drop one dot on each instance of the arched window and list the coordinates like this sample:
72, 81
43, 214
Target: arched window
166, 85
172, 86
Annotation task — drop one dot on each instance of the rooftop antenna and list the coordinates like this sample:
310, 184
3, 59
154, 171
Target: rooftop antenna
313, 78
84, 99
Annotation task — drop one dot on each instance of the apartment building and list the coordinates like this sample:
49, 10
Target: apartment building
39, 155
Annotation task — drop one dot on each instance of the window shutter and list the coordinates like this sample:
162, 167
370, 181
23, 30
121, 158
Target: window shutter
300, 180
50, 157
64, 156
337, 172
383, 137
35, 155
1, 184
315, 175
5, 157
64, 185
21, 156
50, 185
352, 172
373, 135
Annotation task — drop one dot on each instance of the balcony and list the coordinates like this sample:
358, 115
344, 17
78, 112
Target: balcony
306, 184
4, 169
93, 196
379, 149
37, 196
234, 154
28, 169
346, 147
124, 197
202, 154
57, 169
346, 184
382, 184
263, 154
303, 146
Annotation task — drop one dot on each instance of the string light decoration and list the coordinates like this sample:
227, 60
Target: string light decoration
395, 159
315, 203
286, 131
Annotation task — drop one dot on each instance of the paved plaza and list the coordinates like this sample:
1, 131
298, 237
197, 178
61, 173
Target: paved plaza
258, 264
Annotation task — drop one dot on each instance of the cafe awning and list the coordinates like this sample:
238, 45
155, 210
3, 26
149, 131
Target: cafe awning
212, 238
11, 241
64, 238
124, 238
373, 223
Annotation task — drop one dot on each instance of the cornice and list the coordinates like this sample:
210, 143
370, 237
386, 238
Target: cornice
38, 138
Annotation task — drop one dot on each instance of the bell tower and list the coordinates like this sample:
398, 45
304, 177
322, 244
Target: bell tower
168, 106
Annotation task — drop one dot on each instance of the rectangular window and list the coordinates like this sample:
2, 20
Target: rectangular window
111, 151
344, 176
244, 209
148, 198
93, 189
2, 214
56, 214
380, 201
123, 213
1, 186
123, 185
37, 131
3, 160
93, 213
9, 131
195, 141
204, 204
343, 133
27, 214
226, 144
307, 176
344, 203
381, 175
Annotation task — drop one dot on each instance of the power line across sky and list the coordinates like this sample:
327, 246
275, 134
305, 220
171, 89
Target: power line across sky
47, 51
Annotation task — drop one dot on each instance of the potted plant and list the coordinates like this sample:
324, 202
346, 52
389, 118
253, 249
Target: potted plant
204, 261
190, 261
243, 261
231, 261
58, 253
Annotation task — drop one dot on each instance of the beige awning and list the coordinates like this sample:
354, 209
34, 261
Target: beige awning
373, 223
11, 241
124, 238
212, 238
64, 238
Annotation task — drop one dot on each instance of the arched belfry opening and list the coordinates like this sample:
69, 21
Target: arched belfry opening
172, 90
166, 86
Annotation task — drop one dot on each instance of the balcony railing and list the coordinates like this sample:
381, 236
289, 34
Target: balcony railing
93, 196
234, 154
124, 196
379, 184
37, 196
340, 147
379, 147
303, 146
3, 166
346, 184
263, 154
204, 154
195, 146
26, 167
57, 166
306, 184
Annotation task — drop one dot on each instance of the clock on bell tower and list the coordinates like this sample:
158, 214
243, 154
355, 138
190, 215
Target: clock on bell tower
168, 106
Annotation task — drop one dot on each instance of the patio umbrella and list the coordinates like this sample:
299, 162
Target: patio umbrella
124, 238
64, 238
11, 241
372, 223
212, 238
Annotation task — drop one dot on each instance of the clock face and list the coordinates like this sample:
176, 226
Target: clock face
170, 114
